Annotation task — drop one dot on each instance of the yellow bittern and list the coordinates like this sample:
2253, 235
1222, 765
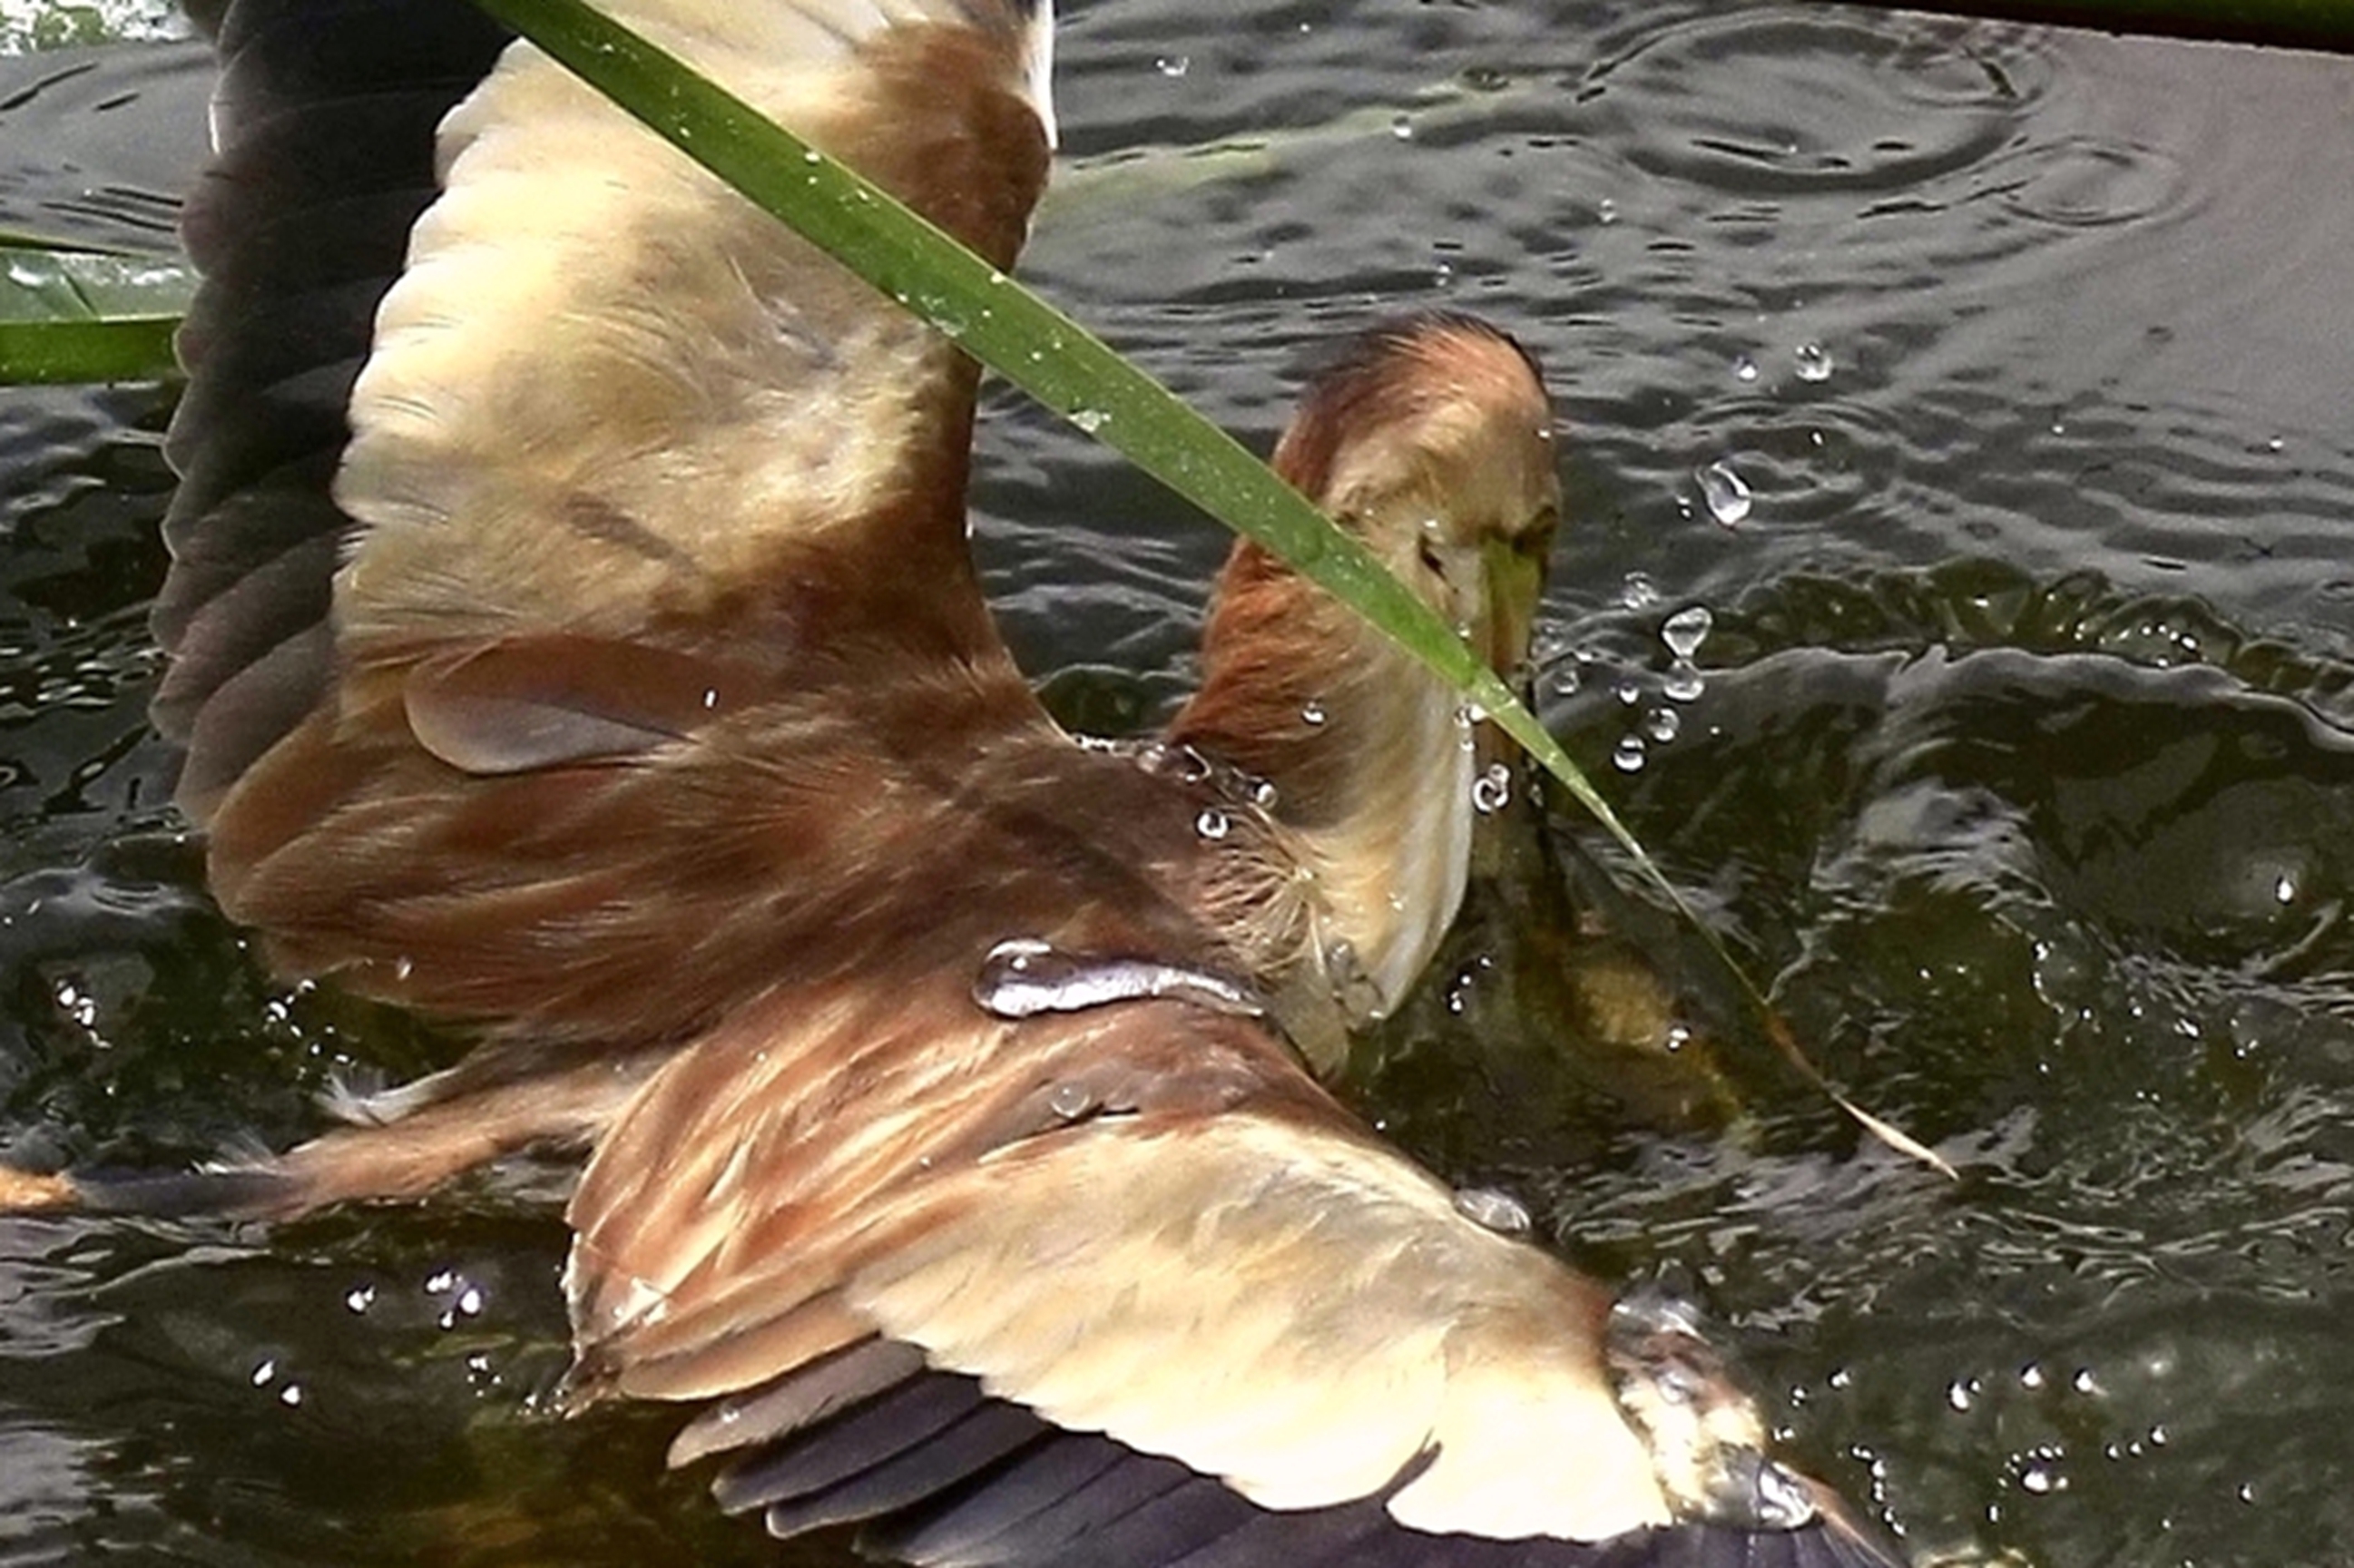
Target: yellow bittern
574, 635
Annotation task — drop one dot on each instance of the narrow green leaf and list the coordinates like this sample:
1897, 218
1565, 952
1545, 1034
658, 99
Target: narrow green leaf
75, 317
86, 352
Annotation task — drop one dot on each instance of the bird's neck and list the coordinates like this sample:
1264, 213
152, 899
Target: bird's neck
1372, 765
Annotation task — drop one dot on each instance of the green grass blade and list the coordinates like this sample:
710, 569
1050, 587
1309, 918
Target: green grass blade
71, 317
86, 354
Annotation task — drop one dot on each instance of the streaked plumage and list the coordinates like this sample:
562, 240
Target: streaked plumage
653, 724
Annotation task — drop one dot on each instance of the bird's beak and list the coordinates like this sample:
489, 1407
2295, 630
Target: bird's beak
1515, 578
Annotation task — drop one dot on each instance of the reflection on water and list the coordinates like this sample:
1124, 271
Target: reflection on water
1957, 583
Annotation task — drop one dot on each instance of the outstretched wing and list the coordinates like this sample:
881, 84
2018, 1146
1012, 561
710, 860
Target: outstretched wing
526, 464
1115, 1285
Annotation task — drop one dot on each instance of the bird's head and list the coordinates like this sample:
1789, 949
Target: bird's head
1431, 440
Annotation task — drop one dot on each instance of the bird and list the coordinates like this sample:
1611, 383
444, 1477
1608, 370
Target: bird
574, 636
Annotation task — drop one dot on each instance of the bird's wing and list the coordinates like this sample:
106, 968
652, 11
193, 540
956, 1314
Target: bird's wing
997, 1286
619, 472
589, 396
323, 128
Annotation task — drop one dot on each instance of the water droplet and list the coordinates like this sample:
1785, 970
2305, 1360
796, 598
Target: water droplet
1686, 630
1024, 977
1961, 1393
470, 1301
1744, 368
1492, 790
1606, 211
1313, 713
1090, 420
1629, 755
1212, 823
1682, 683
1402, 128
1493, 1210
1725, 492
1663, 725
1814, 362
1628, 693
1070, 1101
1566, 678
2285, 890
1174, 66
264, 1373
360, 1298
1637, 591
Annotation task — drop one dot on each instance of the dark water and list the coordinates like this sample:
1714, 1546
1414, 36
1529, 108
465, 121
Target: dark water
2013, 755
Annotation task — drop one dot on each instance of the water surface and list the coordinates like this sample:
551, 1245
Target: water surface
1986, 388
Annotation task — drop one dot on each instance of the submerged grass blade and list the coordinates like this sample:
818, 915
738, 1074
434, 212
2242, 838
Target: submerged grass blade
75, 318
86, 354
1054, 359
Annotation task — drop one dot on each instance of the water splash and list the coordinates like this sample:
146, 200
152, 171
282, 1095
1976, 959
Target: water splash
1024, 976
1725, 493
1495, 1211
1683, 682
1492, 790
1686, 630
